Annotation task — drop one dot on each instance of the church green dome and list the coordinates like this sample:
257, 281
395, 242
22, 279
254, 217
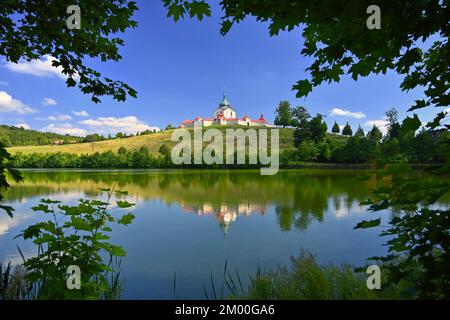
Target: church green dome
224, 102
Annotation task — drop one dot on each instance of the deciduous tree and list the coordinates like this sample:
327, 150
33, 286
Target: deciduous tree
283, 114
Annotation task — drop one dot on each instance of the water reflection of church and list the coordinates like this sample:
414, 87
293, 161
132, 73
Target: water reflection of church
226, 214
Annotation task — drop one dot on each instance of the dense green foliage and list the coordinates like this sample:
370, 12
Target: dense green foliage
347, 130
13, 136
335, 128
307, 128
93, 137
359, 132
7, 169
419, 240
313, 145
42, 31
122, 159
283, 114
75, 235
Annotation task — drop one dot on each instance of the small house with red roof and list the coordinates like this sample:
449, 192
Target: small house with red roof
225, 115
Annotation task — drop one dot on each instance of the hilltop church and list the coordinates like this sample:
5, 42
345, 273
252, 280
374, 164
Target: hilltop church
225, 115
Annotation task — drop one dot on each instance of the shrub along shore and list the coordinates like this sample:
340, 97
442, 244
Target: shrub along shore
144, 159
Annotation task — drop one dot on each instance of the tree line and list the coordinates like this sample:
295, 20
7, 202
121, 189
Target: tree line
14, 136
312, 144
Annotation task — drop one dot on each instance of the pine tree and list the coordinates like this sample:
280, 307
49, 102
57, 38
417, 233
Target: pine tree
360, 132
336, 128
347, 131
375, 134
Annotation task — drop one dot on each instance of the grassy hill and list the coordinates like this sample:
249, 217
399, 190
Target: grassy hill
13, 136
152, 141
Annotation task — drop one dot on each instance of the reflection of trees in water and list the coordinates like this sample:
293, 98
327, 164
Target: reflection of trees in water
312, 196
299, 196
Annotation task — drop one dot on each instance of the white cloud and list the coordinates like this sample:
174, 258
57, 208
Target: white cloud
65, 128
22, 125
128, 124
382, 124
9, 104
59, 117
3, 83
39, 68
49, 102
81, 113
347, 113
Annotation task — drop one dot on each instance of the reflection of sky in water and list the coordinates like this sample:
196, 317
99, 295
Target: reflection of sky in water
192, 231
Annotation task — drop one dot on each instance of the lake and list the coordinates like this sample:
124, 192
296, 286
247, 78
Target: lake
190, 223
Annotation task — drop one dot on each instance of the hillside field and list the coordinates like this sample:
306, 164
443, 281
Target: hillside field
152, 141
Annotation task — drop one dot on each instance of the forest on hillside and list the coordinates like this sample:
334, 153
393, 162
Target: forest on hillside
14, 136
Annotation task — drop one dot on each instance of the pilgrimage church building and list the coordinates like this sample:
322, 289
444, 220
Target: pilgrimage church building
225, 115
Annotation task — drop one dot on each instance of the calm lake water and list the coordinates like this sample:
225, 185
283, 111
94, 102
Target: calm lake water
192, 222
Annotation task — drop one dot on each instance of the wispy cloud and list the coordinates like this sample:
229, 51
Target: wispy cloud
347, 113
65, 128
58, 117
22, 125
3, 83
81, 113
9, 104
128, 124
39, 68
49, 102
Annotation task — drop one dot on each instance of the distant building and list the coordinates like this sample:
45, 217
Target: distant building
225, 115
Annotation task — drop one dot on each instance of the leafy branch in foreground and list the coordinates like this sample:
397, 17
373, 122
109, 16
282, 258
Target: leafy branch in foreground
33, 30
5, 168
76, 235
419, 238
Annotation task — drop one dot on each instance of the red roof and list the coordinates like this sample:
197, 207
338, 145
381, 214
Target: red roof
245, 118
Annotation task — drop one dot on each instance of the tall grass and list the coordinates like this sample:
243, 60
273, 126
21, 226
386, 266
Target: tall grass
304, 279
12, 283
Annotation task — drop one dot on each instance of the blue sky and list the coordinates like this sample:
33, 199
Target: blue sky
180, 70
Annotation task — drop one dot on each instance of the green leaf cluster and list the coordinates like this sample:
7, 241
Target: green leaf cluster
76, 235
